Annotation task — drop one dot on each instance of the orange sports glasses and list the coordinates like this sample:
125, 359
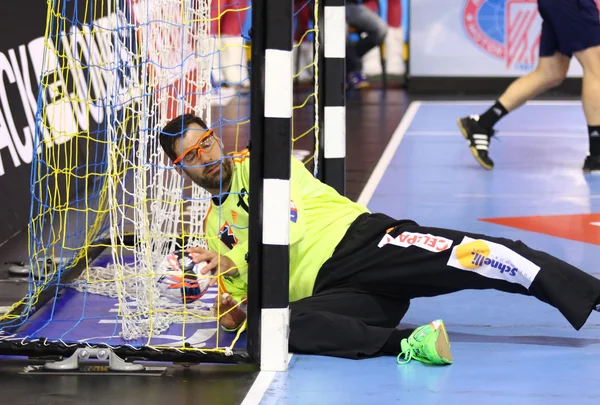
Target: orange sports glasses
204, 144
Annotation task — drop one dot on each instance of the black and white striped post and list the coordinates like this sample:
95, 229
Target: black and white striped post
270, 170
332, 94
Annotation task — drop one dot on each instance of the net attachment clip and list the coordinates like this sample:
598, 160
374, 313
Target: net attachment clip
115, 363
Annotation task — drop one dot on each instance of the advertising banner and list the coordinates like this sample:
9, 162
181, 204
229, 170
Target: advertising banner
477, 38
20, 64
64, 111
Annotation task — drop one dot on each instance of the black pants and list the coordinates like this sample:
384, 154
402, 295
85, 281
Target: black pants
363, 291
362, 19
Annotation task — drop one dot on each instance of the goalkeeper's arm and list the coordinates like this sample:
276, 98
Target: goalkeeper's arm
231, 314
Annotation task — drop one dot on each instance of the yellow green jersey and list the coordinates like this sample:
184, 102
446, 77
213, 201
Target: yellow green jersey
319, 219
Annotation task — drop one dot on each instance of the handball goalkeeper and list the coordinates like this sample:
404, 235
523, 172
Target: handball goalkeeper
352, 272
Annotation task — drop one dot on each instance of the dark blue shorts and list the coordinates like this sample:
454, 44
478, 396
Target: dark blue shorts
569, 26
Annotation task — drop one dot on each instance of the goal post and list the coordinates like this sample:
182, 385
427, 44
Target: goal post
271, 147
332, 94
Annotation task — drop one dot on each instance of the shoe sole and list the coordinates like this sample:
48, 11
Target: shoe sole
472, 148
442, 344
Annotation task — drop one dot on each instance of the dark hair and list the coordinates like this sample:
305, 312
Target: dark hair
177, 127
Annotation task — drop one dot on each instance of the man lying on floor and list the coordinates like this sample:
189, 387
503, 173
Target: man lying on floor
352, 272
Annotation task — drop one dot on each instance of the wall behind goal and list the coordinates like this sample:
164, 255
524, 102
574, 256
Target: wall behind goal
21, 52
21, 46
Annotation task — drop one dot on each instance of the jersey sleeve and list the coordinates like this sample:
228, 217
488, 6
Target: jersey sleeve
237, 286
234, 286
238, 255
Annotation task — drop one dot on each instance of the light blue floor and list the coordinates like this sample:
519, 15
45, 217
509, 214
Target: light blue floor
507, 349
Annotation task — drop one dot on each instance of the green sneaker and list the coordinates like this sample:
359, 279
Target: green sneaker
428, 344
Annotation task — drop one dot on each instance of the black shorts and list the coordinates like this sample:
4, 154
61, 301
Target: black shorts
568, 26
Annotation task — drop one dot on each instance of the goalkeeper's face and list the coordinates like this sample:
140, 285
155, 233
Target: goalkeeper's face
203, 161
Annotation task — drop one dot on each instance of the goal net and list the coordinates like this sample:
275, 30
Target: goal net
107, 205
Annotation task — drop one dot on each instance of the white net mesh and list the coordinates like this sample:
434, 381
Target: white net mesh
114, 72
147, 198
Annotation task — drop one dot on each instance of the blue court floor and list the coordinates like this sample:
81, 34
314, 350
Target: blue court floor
507, 349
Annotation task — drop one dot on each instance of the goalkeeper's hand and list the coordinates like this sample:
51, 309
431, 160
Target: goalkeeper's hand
231, 314
226, 266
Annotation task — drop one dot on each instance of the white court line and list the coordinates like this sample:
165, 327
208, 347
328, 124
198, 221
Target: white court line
490, 102
388, 153
500, 133
259, 386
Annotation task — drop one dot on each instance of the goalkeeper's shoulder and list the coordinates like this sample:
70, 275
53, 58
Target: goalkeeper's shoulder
241, 164
241, 157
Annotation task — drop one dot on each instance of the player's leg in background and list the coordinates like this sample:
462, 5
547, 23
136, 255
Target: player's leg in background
355, 324
372, 30
355, 79
412, 261
550, 72
590, 97
229, 68
233, 58
588, 37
